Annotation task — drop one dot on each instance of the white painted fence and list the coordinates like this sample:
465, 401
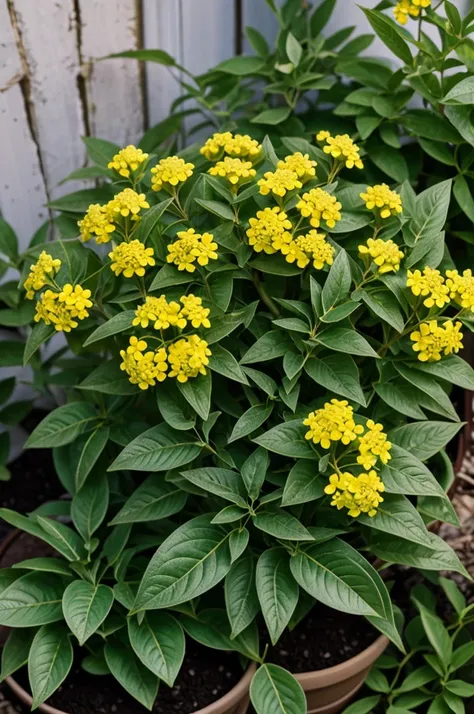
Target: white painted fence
52, 91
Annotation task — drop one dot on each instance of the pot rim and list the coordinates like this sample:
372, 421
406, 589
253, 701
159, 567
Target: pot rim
320, 678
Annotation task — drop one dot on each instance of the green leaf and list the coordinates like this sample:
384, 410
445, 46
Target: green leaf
116, 324
303, 485
340, 577
377, 681
69, 543
223, 362
424, 439
230, 514
337, 373
338, 282
460, 117
462, 194
277, 590
192, 560
272, 117
241, 595
293, 49
152, 216
169, 276
93, 448
18, 317
400, 397
425, 123
257, 41
254, 470
439, 557
173, 407
436, 632
134, 677
158, 642
396, 515
406, 474
46, 565
108, 378
100, 151
79, 201
363, 706
8, 241
218, 208
287, 439
89, 505
12, 353
271, 345
416, 679
460, 688
275, 691
438, 151
385, 305
50, 661
461, 656
222, 482
461, 93
453, 593
431, 210
15, 651
31, 600
385, 29
197, 392
429, 386
158, 56
158, 449
153, 500
62, 425
451, 368
85, 607
282, 525
342, 339
241, 66
251, 420
6, 389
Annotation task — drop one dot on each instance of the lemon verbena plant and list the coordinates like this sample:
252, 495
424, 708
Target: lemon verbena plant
271, 344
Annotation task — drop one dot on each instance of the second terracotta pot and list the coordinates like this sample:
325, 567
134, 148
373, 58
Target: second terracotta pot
329, 690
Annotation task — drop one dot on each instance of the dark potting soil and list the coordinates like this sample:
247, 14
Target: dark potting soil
206, 676
323, 639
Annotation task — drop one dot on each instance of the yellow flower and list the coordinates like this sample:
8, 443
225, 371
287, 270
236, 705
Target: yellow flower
373, 445
131, 259
315, 245
128, 202
432, 340
318, 205
170, 172
359, 494
214, 146
334, 422
45, 267
160, 312
269, 225
194, 311
381, 198
235, 171
461, 288
385, 253
191, 247
188, 357
292, 252
62, 309
127, 160
341, 148
144, 368
242, 146
97, 223
409, 8
429, 283
300, 164
279, 182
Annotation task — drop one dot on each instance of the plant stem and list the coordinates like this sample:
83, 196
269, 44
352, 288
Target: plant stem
264, 296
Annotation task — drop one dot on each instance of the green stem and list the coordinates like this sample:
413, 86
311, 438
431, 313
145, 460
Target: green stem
264, 296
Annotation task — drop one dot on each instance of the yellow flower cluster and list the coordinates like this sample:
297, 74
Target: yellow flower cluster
430, 284
341, 148
191, 247
385, 253
269, 225
99, 221
382, 199
300, 164
61, 309
409, 8
312, 246
461, 288
334, 422
131, 259
359, 494
279, 182
164, 314
127, 160
169, 172
45, 268
373, 445
235, 171
237, 146
318, 205
186, 358
433, 340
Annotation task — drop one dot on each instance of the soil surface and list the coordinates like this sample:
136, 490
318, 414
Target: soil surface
206, 675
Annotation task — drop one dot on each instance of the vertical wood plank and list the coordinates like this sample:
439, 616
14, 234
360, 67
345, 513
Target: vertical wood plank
114, 93
22, 188
49, 40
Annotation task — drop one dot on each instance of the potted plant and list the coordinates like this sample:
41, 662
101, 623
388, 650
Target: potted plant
273, 346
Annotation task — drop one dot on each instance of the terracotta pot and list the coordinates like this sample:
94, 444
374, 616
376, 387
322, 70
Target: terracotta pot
234, 702
330, 690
